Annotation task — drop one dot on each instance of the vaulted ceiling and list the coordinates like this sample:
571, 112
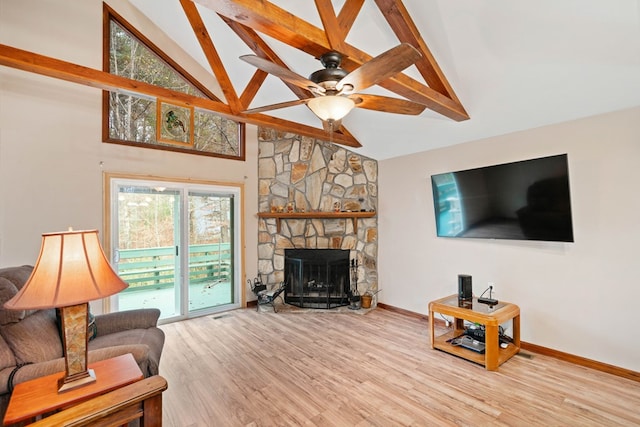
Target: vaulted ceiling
487, 67
264, 27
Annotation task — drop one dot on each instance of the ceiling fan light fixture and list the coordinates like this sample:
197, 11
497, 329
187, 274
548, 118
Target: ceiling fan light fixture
331, 107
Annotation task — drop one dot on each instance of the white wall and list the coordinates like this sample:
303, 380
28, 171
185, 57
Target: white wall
581, 298
51, 155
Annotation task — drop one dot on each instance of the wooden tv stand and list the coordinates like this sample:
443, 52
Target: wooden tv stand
483, 314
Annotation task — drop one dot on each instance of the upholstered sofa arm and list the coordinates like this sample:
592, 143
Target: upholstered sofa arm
124, 320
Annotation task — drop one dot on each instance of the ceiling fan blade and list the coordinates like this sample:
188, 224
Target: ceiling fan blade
387, 104
276, 106
282, 72
379, 68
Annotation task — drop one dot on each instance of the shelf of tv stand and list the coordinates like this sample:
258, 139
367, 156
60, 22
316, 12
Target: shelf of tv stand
489, 316
317, 215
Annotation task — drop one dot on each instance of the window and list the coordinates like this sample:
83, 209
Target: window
143, 121
177, 244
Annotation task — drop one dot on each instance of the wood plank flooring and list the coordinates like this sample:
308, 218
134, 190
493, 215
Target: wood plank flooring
249, 368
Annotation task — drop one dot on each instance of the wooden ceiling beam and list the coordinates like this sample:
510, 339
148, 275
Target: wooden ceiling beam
265, 17
405, 29
348, 14
263, 50
210, 52
410, 88
56, 68
252, 88
276, 22
332, 28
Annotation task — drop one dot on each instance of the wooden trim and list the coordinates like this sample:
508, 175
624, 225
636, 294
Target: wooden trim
348, 15
582, 361
106, 60
405, 29
111, 14
176, 148
242, 241
246, 18
321, 215
107, 177
241, 134
281, 25
51, 67
210, 52
556, 354
263, 50
332, 27
141, 400
403, 311
39, 396
160, 121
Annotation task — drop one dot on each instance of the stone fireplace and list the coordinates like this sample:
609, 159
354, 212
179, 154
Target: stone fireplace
315, 186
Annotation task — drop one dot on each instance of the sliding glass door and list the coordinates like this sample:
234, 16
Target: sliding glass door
211, 248
176, 245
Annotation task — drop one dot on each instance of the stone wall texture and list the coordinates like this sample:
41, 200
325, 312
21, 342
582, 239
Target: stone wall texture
308, 175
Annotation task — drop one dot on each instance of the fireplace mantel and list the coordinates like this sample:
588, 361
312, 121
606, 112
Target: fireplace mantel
317, 215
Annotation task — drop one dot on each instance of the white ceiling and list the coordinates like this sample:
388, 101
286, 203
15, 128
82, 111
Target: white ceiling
514, 64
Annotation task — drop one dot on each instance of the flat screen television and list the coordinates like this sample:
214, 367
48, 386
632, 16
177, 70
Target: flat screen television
524, 200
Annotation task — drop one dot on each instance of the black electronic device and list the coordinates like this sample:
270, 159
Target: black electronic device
489, 301
475, 333
469, 343
523, 200
465, 291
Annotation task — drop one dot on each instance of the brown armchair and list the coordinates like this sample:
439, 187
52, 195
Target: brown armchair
31, 347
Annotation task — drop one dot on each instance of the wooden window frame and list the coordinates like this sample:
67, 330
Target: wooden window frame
111, 15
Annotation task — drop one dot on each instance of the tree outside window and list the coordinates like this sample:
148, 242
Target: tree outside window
133, 119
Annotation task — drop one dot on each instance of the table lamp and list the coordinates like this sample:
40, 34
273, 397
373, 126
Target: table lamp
71, 270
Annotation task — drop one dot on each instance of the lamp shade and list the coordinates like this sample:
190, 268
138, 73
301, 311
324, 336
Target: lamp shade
331, 107
71, 269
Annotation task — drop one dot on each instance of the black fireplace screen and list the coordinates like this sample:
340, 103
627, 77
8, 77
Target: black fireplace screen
316, 278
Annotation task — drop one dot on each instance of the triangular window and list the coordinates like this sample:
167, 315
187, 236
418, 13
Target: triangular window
134, 119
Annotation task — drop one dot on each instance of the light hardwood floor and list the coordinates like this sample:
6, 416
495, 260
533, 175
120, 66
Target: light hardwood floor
249, 368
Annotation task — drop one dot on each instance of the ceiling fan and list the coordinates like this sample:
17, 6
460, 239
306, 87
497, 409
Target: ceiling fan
335, 90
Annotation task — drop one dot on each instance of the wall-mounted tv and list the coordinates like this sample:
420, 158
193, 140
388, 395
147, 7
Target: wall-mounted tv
524, 200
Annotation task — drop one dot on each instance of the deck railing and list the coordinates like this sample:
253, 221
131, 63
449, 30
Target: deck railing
156, 267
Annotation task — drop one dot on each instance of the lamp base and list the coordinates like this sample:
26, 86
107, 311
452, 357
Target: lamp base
74, 340
74, 381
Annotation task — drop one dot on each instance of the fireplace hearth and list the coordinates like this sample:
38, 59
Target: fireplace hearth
317, 278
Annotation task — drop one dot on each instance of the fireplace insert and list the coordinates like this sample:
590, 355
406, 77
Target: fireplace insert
316, 278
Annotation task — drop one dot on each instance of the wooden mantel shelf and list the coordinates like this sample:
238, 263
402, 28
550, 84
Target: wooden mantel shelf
317, 215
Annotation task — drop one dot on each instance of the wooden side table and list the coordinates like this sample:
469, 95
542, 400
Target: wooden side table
40, 396
483, 314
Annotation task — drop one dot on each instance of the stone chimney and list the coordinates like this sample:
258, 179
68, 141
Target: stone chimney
301, 174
